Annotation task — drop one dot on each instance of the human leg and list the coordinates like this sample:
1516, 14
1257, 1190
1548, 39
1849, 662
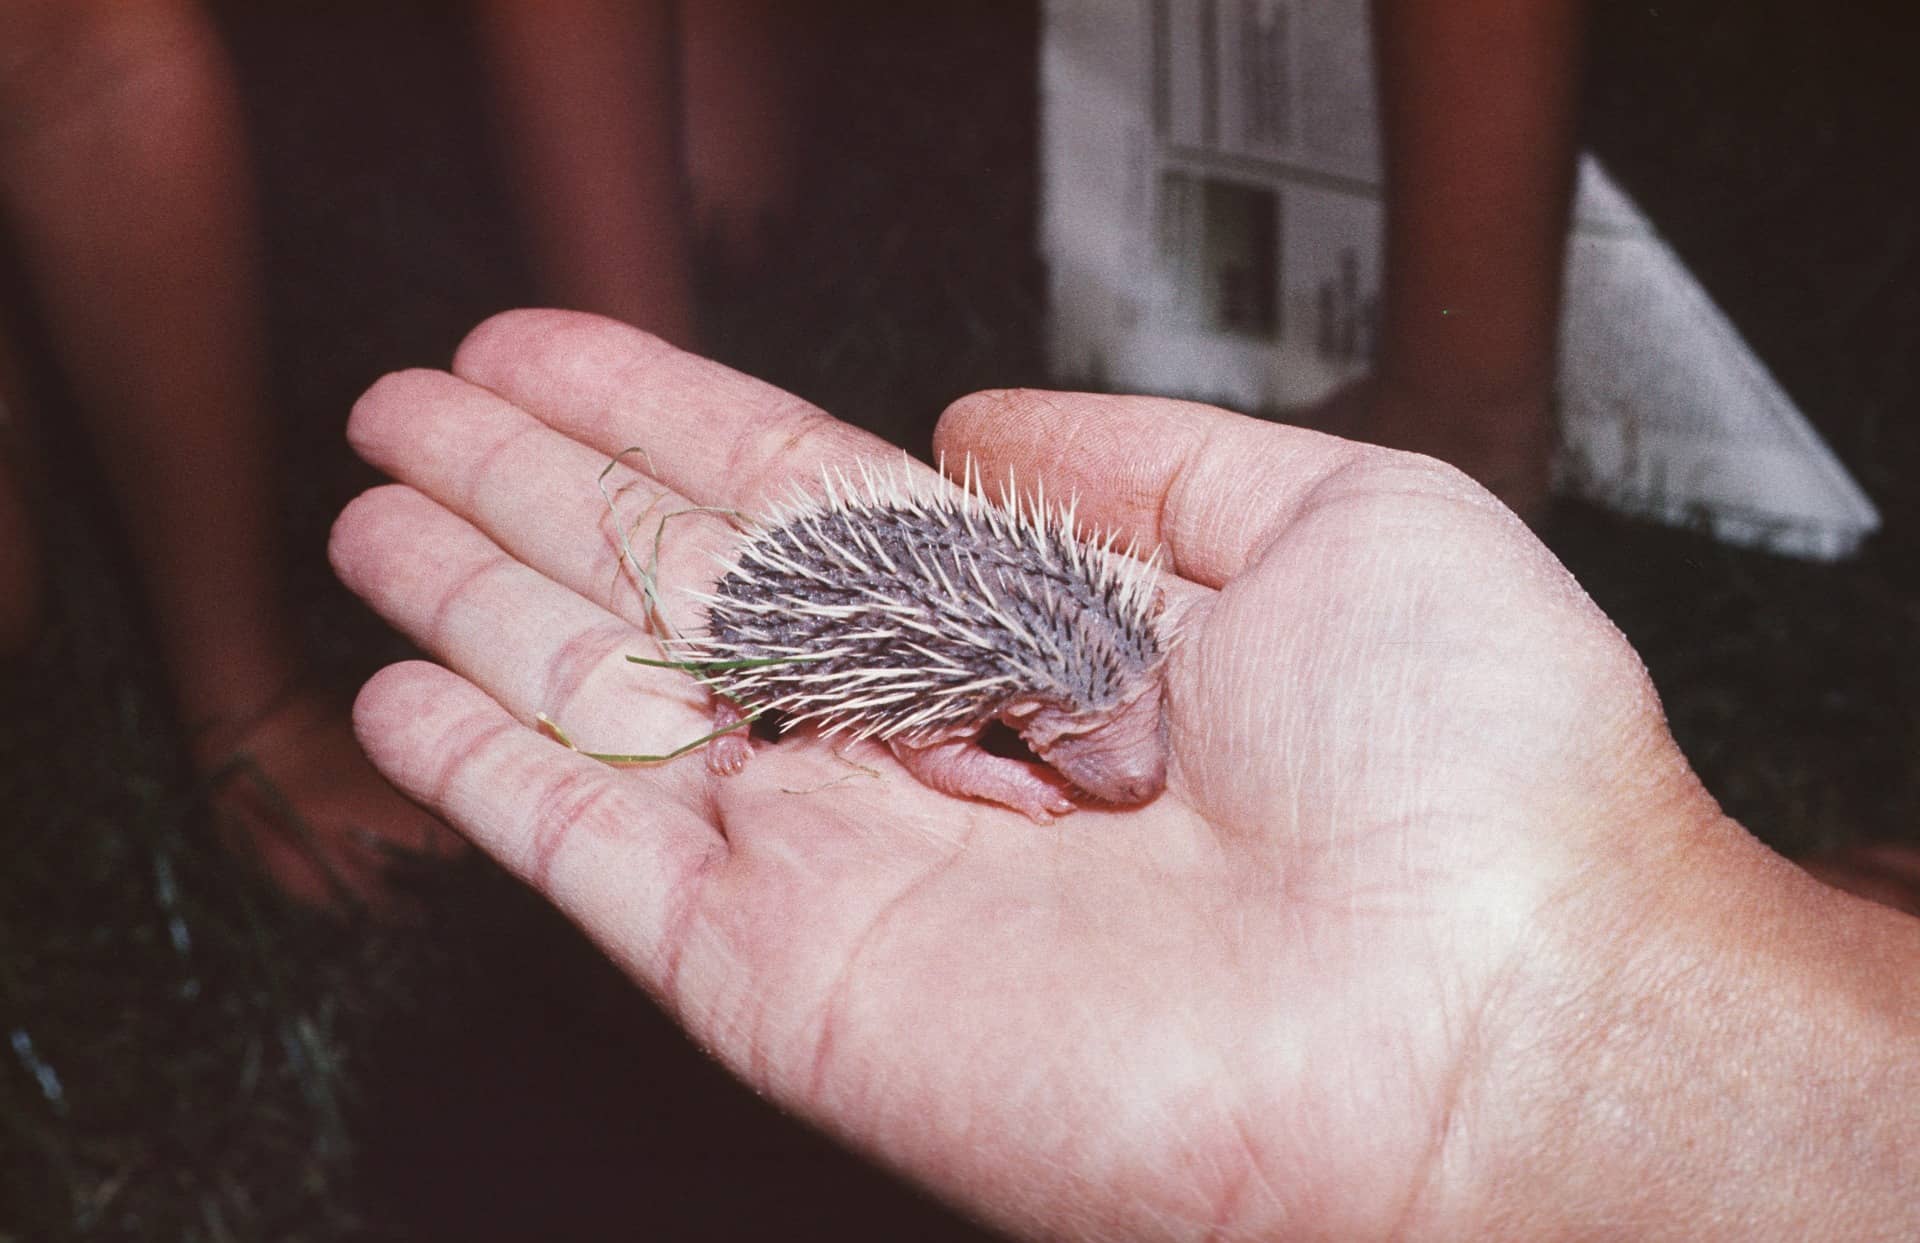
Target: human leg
589, 106
123, 174
1478, 104
741, 86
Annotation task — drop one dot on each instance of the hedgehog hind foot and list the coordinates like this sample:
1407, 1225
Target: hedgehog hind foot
958, 766
728, 752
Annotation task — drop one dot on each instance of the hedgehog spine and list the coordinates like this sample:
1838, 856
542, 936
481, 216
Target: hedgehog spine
988, 604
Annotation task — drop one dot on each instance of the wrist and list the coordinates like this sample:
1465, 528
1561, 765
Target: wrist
1742, 1062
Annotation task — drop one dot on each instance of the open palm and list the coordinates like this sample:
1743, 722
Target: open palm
1280, 999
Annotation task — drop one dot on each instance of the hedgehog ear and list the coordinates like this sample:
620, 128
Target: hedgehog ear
1159, 604
1020, 711
1040, 724
1029, 717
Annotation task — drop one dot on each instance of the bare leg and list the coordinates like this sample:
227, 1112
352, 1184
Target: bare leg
122, 173
741, 91
122, 170
20, 587
960, 768
590, 113
1478, 103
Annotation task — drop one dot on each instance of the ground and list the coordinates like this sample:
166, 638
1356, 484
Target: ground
228, 1069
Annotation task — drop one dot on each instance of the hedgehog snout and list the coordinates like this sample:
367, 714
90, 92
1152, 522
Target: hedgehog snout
1120, 757
1133, 780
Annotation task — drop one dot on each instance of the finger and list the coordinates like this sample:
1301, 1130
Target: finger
1210, 488
714, 435
536, 493
531, 644
598, 841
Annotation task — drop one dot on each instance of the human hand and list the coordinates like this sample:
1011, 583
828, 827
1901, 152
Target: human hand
1432, 933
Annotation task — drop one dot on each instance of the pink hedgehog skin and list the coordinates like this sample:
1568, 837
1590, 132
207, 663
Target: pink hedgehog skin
919, 614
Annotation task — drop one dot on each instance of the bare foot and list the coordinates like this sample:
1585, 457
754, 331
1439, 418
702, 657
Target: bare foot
1505, 443
294, 789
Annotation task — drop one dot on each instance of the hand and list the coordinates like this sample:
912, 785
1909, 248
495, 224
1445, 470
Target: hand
1433, 932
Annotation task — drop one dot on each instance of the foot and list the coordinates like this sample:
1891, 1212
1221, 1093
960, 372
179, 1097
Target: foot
293, 788
730, 750
1504, 443
960, 768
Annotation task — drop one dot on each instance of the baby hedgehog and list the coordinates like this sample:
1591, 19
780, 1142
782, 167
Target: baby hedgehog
919, 612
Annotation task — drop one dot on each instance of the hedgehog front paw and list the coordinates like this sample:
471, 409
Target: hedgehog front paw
1044, 804
959, 767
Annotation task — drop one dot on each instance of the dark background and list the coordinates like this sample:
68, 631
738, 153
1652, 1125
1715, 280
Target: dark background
486, 1075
